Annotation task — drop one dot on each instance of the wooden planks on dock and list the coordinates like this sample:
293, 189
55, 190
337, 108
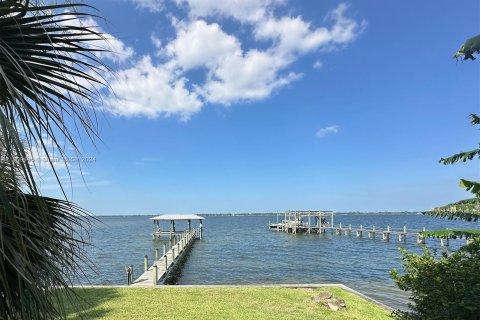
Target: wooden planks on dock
298, 226
163, 265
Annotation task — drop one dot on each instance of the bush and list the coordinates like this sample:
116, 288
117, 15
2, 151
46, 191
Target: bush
444, 287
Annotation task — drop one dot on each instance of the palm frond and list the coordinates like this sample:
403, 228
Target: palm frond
48, 73
468, 210
468, 49
43, 241
462, 156
49, 80
452, 233
474, 119
471, 186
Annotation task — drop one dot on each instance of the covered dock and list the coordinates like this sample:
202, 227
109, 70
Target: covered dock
170, 230
304, 221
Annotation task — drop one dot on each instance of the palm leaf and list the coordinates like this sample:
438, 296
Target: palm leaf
468, 48
471, 186
462, 156
48, 76
474, 119
48, 72
468, 210
43, 242
452, 233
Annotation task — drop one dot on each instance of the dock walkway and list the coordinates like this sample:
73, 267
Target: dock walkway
163, 265
360, 231
294, 222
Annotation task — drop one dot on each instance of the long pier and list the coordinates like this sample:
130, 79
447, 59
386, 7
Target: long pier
162, 266
321, 221
297, 226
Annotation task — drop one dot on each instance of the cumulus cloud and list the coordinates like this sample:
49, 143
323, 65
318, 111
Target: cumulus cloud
229, 73
115, 50
318, 64
242, 10
252, 76
151, 90
293, 35
151, 5
200, 44
323, 132
232, 74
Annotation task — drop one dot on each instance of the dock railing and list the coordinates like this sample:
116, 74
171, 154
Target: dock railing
163, 265
386, 232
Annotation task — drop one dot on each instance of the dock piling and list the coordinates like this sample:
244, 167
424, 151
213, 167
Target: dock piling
129, 275
155, 274
360, 231
173, 251
301, 222
420, 239
371, 233
444, 242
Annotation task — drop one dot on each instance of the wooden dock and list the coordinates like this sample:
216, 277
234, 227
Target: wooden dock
164, 264
316, 222
172, 232
360, 231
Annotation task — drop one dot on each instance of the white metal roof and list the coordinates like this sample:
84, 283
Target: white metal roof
177, 217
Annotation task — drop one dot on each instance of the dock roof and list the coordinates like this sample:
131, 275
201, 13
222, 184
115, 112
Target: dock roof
163, 217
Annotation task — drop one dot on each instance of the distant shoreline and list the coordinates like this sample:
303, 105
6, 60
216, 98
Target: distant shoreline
267, 214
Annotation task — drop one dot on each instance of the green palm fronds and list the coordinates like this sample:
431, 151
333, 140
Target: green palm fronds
452, 233
43, 242
49, 77
468, 210
468, 49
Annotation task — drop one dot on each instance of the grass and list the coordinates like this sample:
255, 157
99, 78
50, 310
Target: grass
218, 303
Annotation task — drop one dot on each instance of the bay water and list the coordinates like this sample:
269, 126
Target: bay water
242, 250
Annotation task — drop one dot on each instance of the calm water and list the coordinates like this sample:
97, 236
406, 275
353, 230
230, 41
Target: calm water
241, 250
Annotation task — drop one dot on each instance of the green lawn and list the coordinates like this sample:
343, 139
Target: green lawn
218, 303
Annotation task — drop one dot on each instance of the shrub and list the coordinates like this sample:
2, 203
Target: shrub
445, 286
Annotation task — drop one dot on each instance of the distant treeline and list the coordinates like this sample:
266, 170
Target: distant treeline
240, 214
281, 213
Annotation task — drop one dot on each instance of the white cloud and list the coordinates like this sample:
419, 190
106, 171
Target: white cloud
151, 5
230, 73
151, 90
345, 29
293, 35
251, 76
200, 44
323, 132
157, 42
115, 49
117, 52
318, 64
242, 10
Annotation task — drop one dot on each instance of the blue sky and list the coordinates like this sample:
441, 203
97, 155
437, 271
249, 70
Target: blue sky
273, 105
